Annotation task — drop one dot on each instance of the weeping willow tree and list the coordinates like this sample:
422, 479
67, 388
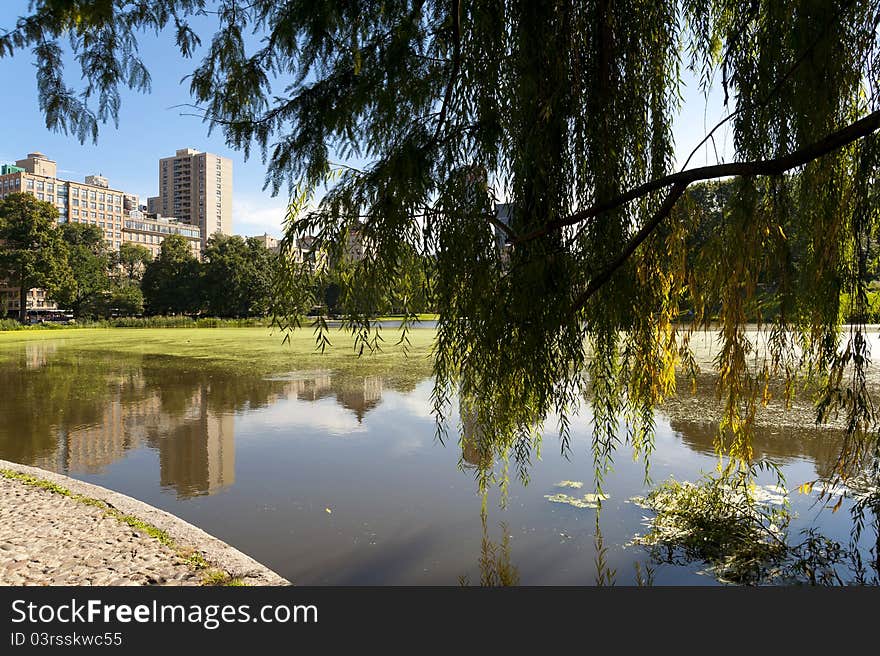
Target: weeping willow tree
402, 123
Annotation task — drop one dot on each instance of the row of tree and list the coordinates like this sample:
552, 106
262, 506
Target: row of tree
73, 264
77, 269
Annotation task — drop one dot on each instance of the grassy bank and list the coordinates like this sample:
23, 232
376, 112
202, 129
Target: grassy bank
11, 325
256, 350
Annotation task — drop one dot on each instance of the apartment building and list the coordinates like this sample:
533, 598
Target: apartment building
151, 230
92, 201
196, 187
268, 242
36, 299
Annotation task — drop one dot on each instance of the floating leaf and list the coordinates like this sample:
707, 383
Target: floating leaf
575, 484
571, 501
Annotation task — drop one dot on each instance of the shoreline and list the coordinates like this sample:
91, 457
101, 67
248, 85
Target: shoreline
150, 523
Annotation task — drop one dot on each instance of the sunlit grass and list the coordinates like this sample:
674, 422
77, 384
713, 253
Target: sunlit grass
258, 350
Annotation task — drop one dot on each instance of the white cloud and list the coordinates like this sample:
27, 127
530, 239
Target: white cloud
255, 215
323, 416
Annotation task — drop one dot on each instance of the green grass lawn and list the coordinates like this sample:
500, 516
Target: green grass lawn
257, 350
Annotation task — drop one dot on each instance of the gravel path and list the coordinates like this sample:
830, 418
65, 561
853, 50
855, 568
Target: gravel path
50, 539
55, 530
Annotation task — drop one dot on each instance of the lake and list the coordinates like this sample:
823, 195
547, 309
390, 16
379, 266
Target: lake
331, 477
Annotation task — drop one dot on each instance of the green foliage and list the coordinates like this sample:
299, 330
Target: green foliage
133, 258
237, 277
32, 254
89, 264
171, 282
126, 300
563, 110
718, 522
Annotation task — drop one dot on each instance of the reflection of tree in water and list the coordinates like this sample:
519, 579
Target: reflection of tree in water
779, 433
45, 398
496, 569
79, 412
605, 574
819, 445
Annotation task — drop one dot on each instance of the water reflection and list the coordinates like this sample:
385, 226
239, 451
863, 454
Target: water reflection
92, 410
174, 433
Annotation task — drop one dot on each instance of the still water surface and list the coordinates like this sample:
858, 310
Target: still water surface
337, 479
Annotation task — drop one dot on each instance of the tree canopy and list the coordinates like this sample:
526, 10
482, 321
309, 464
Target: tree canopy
89, 263
419, 116
133, 258
237, 278
33, 253
171, 281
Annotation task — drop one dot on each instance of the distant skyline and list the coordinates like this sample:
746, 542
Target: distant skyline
156, 124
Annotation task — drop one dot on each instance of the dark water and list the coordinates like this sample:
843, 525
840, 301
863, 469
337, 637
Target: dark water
335, 479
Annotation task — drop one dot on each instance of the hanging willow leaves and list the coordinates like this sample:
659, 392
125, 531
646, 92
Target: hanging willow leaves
563, 111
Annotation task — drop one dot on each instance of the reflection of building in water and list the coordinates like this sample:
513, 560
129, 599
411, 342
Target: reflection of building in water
474, 450
199, 457
362, 397
36, 355
309, 389
197, 453
196, 446
357, 394
91, 448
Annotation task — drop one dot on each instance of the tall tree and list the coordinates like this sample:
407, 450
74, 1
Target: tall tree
564, 109
32, 252
171, 282
89, 263
237, 276
133, 258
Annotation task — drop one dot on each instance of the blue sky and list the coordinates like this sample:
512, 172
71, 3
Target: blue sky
151, 126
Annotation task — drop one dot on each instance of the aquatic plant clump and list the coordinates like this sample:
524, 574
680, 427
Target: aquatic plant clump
723, 525
740, 531
589, 500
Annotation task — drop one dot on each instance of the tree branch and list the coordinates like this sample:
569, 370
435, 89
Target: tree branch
776, 166
456, 65
605, 275
680, 182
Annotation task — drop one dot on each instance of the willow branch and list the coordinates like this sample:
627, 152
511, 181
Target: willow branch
775, 166
605, 275
456, 65
680, 182
776, 87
